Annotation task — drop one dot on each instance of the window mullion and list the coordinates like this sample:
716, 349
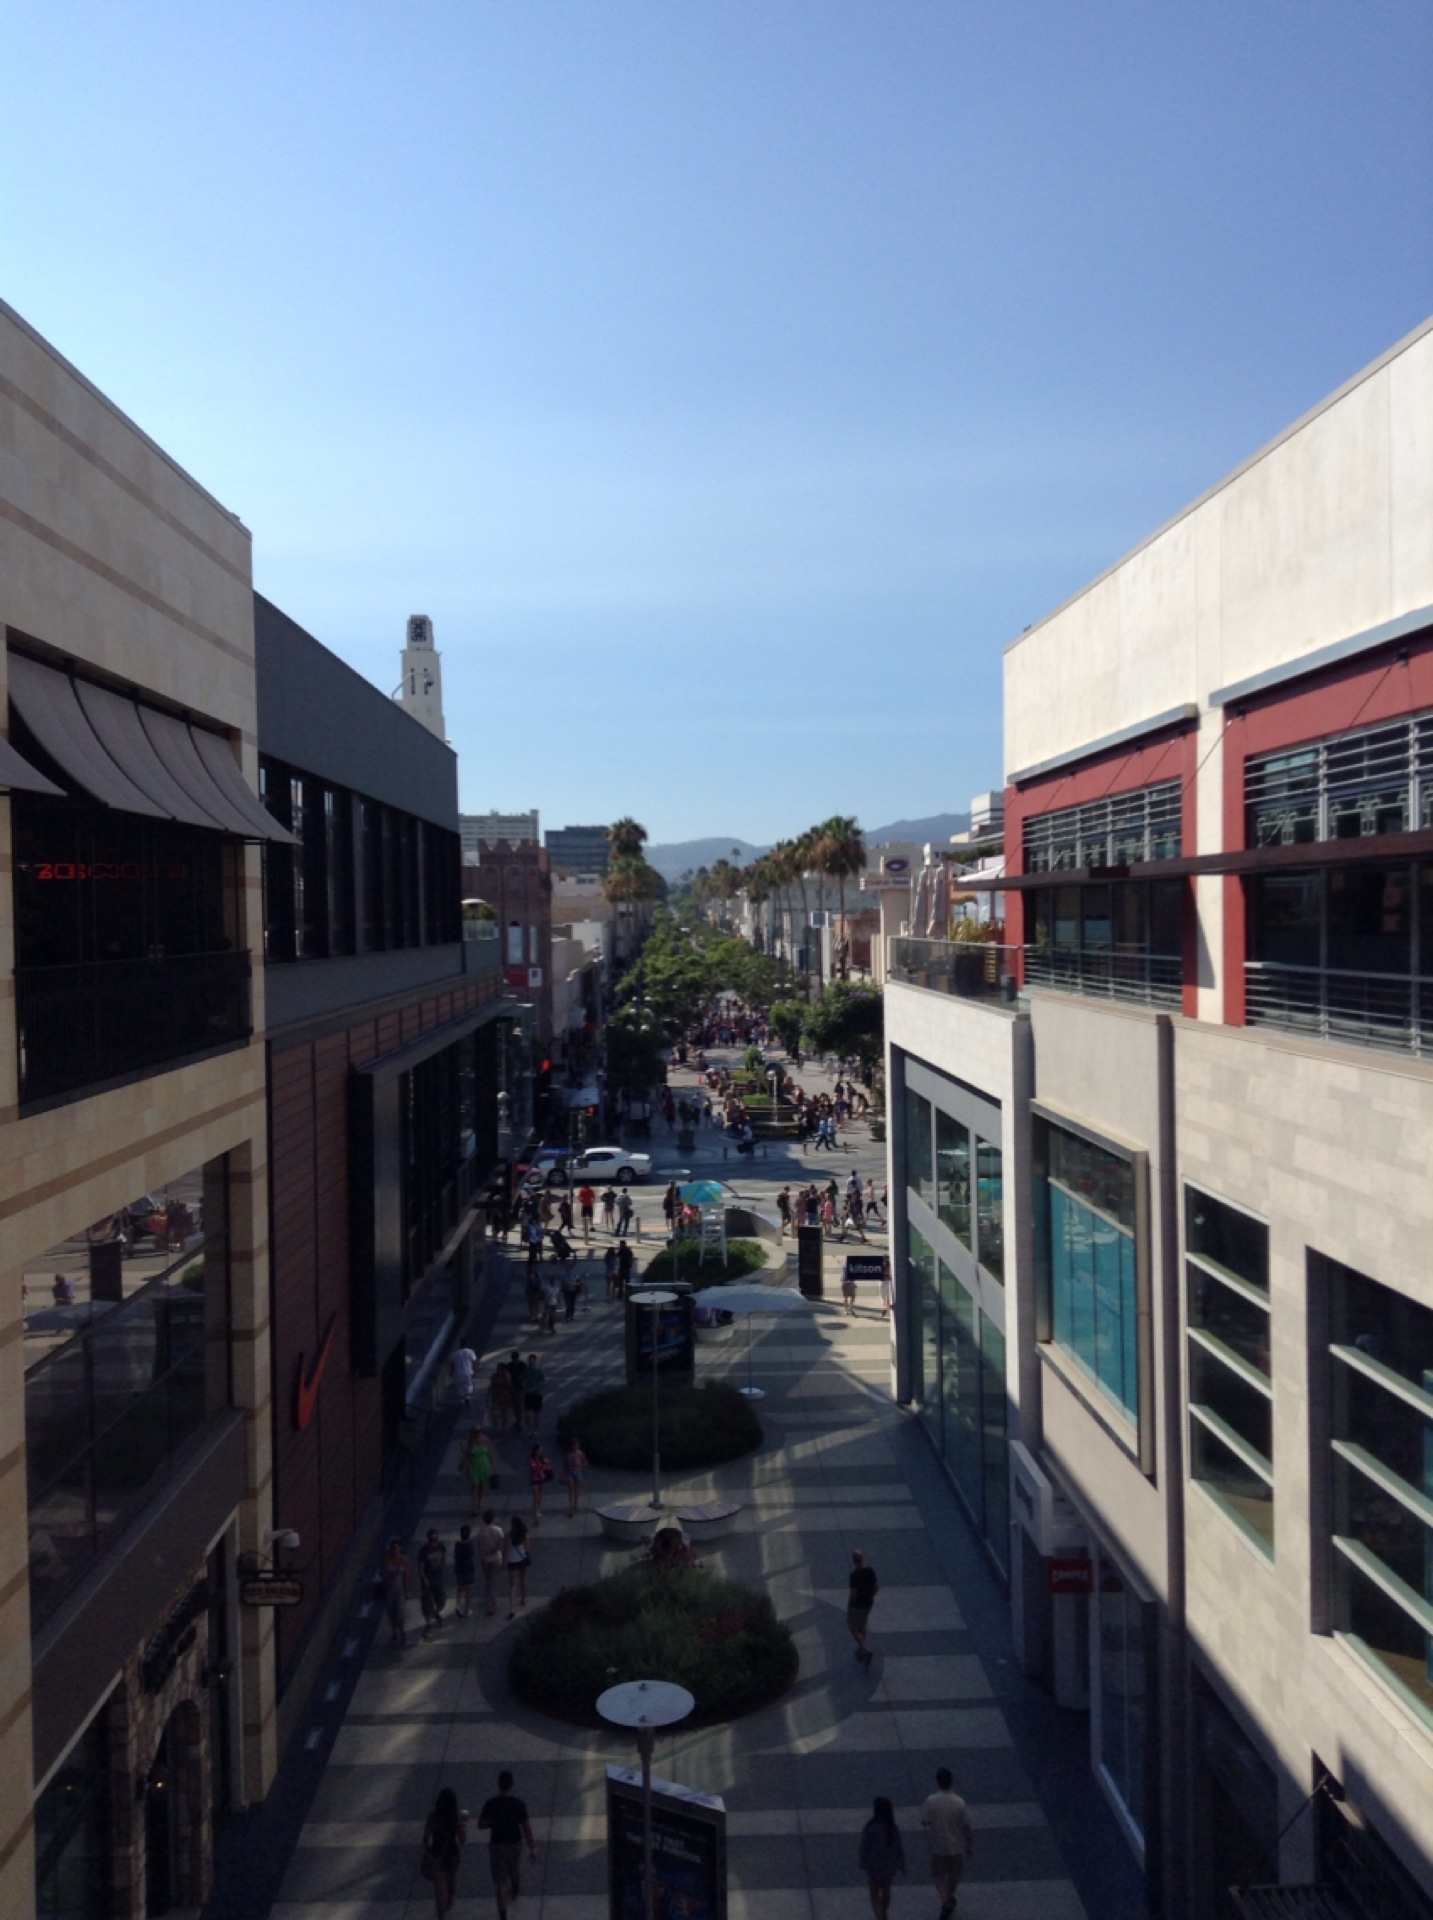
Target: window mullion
1393, 1484
1235, 1362
1235, 1441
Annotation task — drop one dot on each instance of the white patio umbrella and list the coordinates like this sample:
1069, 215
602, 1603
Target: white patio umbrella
749, 1299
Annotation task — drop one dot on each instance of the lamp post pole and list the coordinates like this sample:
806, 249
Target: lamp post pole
644, 1706
656, 1298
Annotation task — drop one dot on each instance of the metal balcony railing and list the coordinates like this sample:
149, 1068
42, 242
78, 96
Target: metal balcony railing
1391, 1011
968, 968
1112, 973
81, 1025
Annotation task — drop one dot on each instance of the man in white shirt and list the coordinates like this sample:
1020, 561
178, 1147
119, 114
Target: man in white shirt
951, 1840
491, 1543
464, 1361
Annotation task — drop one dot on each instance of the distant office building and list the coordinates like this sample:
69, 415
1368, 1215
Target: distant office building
578, 849
486, 829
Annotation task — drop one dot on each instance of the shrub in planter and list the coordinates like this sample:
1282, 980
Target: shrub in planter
700, 1426
716, 1637
742, 1257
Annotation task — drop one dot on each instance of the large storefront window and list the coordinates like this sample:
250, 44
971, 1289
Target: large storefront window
120, 1368
1231, 1423
1120, 1724
1086, 1224
920, 1159
73, 1859
952, 1159
963, 1400
1381, 1360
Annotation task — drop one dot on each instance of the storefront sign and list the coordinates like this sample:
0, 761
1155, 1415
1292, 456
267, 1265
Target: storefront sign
688, 1849
866, 1266
271, 1590
1069, 1575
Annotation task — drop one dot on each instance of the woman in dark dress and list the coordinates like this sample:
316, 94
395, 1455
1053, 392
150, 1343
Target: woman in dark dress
444, 1832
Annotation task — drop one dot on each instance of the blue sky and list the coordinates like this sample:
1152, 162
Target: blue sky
729, 379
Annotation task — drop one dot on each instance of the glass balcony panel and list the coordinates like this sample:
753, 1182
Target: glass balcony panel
1370, 920
1227, 1237
1230, 1318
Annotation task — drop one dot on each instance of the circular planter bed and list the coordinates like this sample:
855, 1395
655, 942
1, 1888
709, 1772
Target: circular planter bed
716, 1637
742, 1257
700, 1426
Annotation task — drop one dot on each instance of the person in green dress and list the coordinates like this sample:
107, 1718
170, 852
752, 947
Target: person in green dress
477, 1466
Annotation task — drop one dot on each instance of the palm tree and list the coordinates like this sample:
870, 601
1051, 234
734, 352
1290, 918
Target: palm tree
757, 882
839, 853
627, 838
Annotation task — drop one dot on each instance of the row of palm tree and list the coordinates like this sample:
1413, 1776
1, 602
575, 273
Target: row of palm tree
833, 850
631, 881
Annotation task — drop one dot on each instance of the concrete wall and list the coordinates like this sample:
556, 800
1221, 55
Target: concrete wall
1325, 533
1330, 1147
111, 556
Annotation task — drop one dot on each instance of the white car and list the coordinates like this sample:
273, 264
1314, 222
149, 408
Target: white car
601, 1164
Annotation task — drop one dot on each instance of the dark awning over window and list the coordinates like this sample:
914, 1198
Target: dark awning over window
16, 771
133, 757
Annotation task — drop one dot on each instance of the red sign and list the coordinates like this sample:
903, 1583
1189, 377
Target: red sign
1073, 1575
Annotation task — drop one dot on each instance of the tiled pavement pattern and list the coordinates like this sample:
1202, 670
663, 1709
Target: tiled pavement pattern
797, 1778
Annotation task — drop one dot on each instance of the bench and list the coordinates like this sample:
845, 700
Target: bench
631, 1524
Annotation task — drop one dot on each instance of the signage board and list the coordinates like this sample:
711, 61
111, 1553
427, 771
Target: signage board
810, 1244
1069, 1573
688, 1849
271, 1590
676, 1338
866, 1266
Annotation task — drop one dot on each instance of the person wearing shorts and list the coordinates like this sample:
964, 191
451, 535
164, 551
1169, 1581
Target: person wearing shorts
947, 1818
504, 1819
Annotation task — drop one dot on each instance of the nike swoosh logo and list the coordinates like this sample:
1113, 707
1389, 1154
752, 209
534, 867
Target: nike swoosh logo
307, 1385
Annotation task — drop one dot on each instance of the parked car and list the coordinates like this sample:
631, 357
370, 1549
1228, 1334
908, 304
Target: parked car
609, 1163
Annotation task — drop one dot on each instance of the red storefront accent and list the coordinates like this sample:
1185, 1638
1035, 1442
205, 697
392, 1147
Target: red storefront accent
1170, 755
1387, 685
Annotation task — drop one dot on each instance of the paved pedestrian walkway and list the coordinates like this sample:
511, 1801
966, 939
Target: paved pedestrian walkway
797, 1778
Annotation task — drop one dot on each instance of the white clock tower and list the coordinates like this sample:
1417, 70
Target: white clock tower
421, 690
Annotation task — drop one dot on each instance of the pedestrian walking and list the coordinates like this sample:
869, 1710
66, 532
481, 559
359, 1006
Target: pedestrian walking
432, 1587
586, 1201
504, 1819
626, 1260
873, 1211
464, 1363
624, 1212
564, 1213
783, 1207
393, 1577
571, 1288
882, 1855
444, 1832
500, 1400
539, 1472
952, 1842
492, 1550
609, 1208
854, 1219
610, 1268
863, 1586
518, 1555
848, 1290
671, 1206
574, 1462
476, 1467
465, 1571
888, 1288
534, 1381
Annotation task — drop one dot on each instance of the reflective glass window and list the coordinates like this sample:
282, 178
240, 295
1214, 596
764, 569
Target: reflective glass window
1230, 1360
1087, 1252
920, 1156
990, 1209
952, 1158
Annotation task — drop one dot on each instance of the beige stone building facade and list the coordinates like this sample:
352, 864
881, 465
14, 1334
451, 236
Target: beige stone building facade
1161, 1171
136, 1692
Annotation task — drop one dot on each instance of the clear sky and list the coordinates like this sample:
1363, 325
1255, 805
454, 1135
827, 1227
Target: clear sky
729, 379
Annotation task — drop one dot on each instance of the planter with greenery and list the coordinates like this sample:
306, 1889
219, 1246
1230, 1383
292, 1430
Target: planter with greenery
742, 1257
700, 1426
716, 1637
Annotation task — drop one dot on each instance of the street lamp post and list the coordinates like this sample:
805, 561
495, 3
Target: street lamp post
656, 1298
644, 1706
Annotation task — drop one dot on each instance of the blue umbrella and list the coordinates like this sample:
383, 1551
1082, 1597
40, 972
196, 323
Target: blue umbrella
704, 1193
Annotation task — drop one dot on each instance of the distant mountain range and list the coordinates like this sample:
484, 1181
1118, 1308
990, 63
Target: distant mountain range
675, 857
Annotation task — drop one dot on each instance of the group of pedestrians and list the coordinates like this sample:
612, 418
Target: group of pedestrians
836, 1209
882, 1853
